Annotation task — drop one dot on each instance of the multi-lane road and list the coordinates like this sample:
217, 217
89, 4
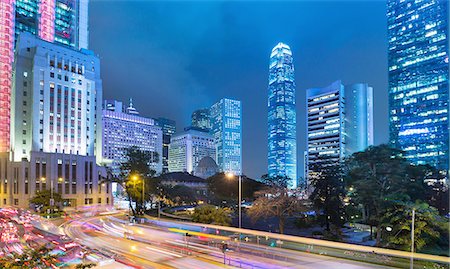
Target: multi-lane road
144, 246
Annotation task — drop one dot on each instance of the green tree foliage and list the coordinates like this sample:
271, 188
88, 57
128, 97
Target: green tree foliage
427, 226
135, 170
328, 195
275, 200
42, 199
85, 265
30, 258
380, 173
222, 187
180, 195
210, 214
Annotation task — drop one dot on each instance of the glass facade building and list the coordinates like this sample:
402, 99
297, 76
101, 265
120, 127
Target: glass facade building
418, 44
339, 121
168, 127
226, 129
282, 116
201, 119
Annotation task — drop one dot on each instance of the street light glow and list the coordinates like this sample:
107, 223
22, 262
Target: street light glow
229, 175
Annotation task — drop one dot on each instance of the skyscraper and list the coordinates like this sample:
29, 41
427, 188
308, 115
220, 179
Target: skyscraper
226, 128
188, 148
201, 119
122, 130
168, 129
418, 51
282, 135
56, 98
339, 121
61, 21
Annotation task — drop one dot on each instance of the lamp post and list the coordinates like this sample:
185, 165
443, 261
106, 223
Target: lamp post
231, 175
136, 178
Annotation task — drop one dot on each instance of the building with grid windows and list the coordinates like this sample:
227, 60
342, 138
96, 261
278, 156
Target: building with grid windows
186, 149
418, 51
201, 119
226, 128
55, 103
168, 127
339, 122
122, 130
61, 21
282, 115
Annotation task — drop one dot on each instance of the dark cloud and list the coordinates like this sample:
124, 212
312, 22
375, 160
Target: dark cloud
175, 56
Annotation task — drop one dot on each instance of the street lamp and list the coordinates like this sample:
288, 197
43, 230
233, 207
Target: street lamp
136, 178
231, 175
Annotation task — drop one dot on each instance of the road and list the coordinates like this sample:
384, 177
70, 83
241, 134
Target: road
145, 246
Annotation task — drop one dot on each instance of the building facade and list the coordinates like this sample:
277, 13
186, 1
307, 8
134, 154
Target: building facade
77, 178
339, 122
282, 115
168, 128
188, 148
226, 128
201, 119
122, 130
61, 21
418, 51
54, 104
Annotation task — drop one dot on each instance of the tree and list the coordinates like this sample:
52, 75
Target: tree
180, 194
380, 172
275, 200
225, 188
328, 194
210, 214
134, 171
42, 199
85, 265
398, 217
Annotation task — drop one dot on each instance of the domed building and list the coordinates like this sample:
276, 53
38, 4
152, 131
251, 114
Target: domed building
206, 167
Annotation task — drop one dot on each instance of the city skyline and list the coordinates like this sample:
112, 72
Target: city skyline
190, 71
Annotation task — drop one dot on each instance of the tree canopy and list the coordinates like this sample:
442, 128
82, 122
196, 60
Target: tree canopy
210, 214
275, 200
222, 187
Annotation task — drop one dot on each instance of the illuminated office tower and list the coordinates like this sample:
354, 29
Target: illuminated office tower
123, 129
188, 148
61, 21
168, 127
282, 140
418, 51
201, 119
54, 101
226, 128
339, 122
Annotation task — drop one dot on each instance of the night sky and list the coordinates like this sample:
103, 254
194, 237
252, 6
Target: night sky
173, 57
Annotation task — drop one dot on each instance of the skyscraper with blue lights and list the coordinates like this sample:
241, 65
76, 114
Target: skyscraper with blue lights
339, 122
418, 47
227, 132
282, 155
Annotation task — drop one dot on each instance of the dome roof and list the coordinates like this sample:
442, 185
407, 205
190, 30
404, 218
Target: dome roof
207, 162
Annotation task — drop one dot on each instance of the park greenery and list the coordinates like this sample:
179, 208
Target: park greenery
211, 214
41, 202
136, 173
377, 187
275, 200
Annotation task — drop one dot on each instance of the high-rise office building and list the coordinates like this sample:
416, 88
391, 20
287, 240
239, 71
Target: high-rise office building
168, 129
226, 128
418, 51
122, 130
56, 99
61, 21
188, 148
201, 119
339, 121
282, 135
55, 113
